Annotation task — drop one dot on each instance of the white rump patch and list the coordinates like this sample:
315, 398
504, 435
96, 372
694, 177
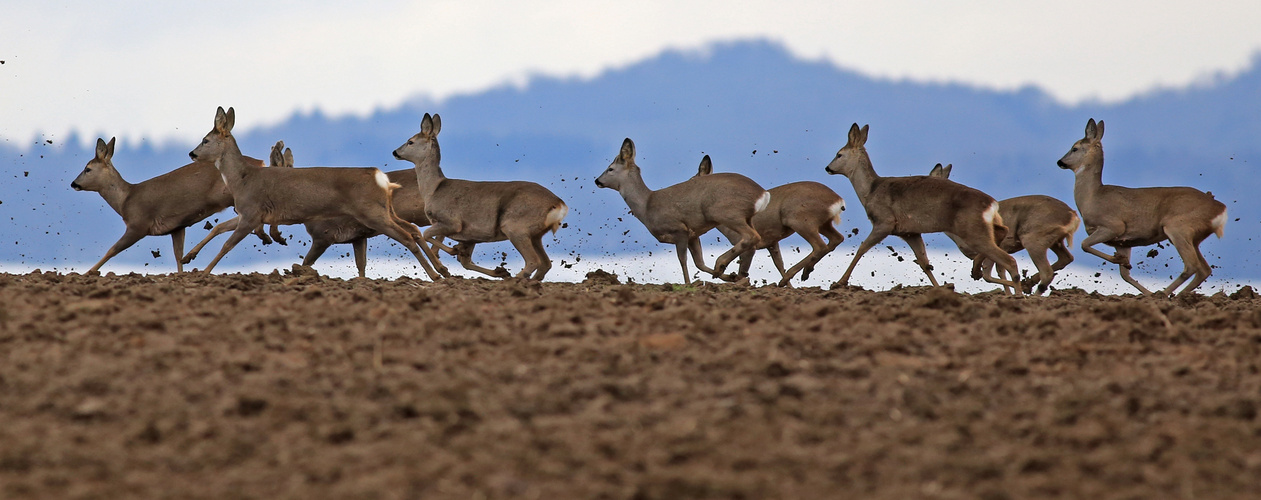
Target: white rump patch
762, 202
552, 221
383, 180
990, 214
1219, 224
835, 211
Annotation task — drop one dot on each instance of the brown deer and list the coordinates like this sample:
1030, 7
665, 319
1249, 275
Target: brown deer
472, 212
1124, 218
166, 204
681, 213
299, 195
279, 154
327, 232
807, 208
908, 207
1035, 223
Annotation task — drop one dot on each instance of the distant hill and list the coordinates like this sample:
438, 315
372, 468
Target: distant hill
753, 106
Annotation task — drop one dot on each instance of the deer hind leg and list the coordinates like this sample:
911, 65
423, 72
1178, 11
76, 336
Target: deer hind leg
817, 250
220, 228
748, 239
177, 245
275, 235
681, 246
243, 229
382, 223
130, 237
464, 255
1006, 263
360, 247
1062, 256
525, 246
1123, 255
698, 257
545, 262
1193, 264
746, 258
318, 246
921, 255
1046, 272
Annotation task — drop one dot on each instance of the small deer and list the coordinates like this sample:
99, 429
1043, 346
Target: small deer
300, 195
1124, 218
472, 212
1035, 223
166, 204
908, 207
681, 213
807, 208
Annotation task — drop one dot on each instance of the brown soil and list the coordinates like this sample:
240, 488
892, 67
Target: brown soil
297, 386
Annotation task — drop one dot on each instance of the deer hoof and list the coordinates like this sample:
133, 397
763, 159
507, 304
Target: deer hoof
442, 270
282, 240
785, 284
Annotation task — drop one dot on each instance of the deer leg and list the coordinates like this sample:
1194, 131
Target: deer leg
177, 245
545, 262
698, 258
834, 240
220, 228
360, 247
1122, 257
242, 230
921, 255
748, 240
1062, 256
1006, 263
318, 246
1101, 235
464, 255
275, 235
1046, 273
1193, 264
380, 221
876, 236
680, 246
525, 247
817, 250
130, 237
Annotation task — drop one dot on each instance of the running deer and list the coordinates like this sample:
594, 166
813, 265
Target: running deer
278, 157
299, 195
908, 207
807, 208
1124, 218
681, 213
472, 212
1035, 223
166, 204
327, 232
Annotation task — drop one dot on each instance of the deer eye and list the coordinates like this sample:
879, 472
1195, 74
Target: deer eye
409, 143
1073, 151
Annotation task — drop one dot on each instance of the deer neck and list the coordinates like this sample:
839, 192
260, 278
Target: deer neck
636, 194
232, 165
116, 191
1088, 178
429, 173
863, 178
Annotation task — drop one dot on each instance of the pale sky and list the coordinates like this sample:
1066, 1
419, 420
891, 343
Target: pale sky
158, 69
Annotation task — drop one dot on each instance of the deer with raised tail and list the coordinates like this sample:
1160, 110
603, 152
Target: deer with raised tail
1035, 223
807, 208
299, 195
1124, 218
404, 200
472, 212
681, 213
166, 204
908, 207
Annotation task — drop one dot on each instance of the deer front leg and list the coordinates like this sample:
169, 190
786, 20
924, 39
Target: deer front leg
243, 229
1192, 261
360, 247
698, 258
877, 235
177, 245
921, 255
680, 247
275, 235
1123, 258
130, 237
1101, 235
464, 254
220, 228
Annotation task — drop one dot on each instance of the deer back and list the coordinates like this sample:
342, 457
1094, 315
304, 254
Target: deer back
701, 202
1147, 211
921, 204
482, 209
799, 203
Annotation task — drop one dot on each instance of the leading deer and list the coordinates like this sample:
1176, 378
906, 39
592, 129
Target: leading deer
299, 195
1035, 223
681, 213
472, 212
807, 208
166, 204
1124, 218
908, 207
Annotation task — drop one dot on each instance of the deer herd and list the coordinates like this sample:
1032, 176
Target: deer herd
350, 205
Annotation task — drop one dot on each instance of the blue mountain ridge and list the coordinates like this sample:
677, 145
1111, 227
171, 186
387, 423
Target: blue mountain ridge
752, 105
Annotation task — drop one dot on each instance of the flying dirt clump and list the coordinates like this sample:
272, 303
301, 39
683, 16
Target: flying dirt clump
601, 277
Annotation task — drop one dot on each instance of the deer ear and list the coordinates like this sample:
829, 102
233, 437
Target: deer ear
100, 148
1099, 131
628, 150
277, 157
946, 171
1092, 130
426, 125
288, 158
109, 149
231, 119
437, 124
863, 135
707, 166
936, 171
854, 131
